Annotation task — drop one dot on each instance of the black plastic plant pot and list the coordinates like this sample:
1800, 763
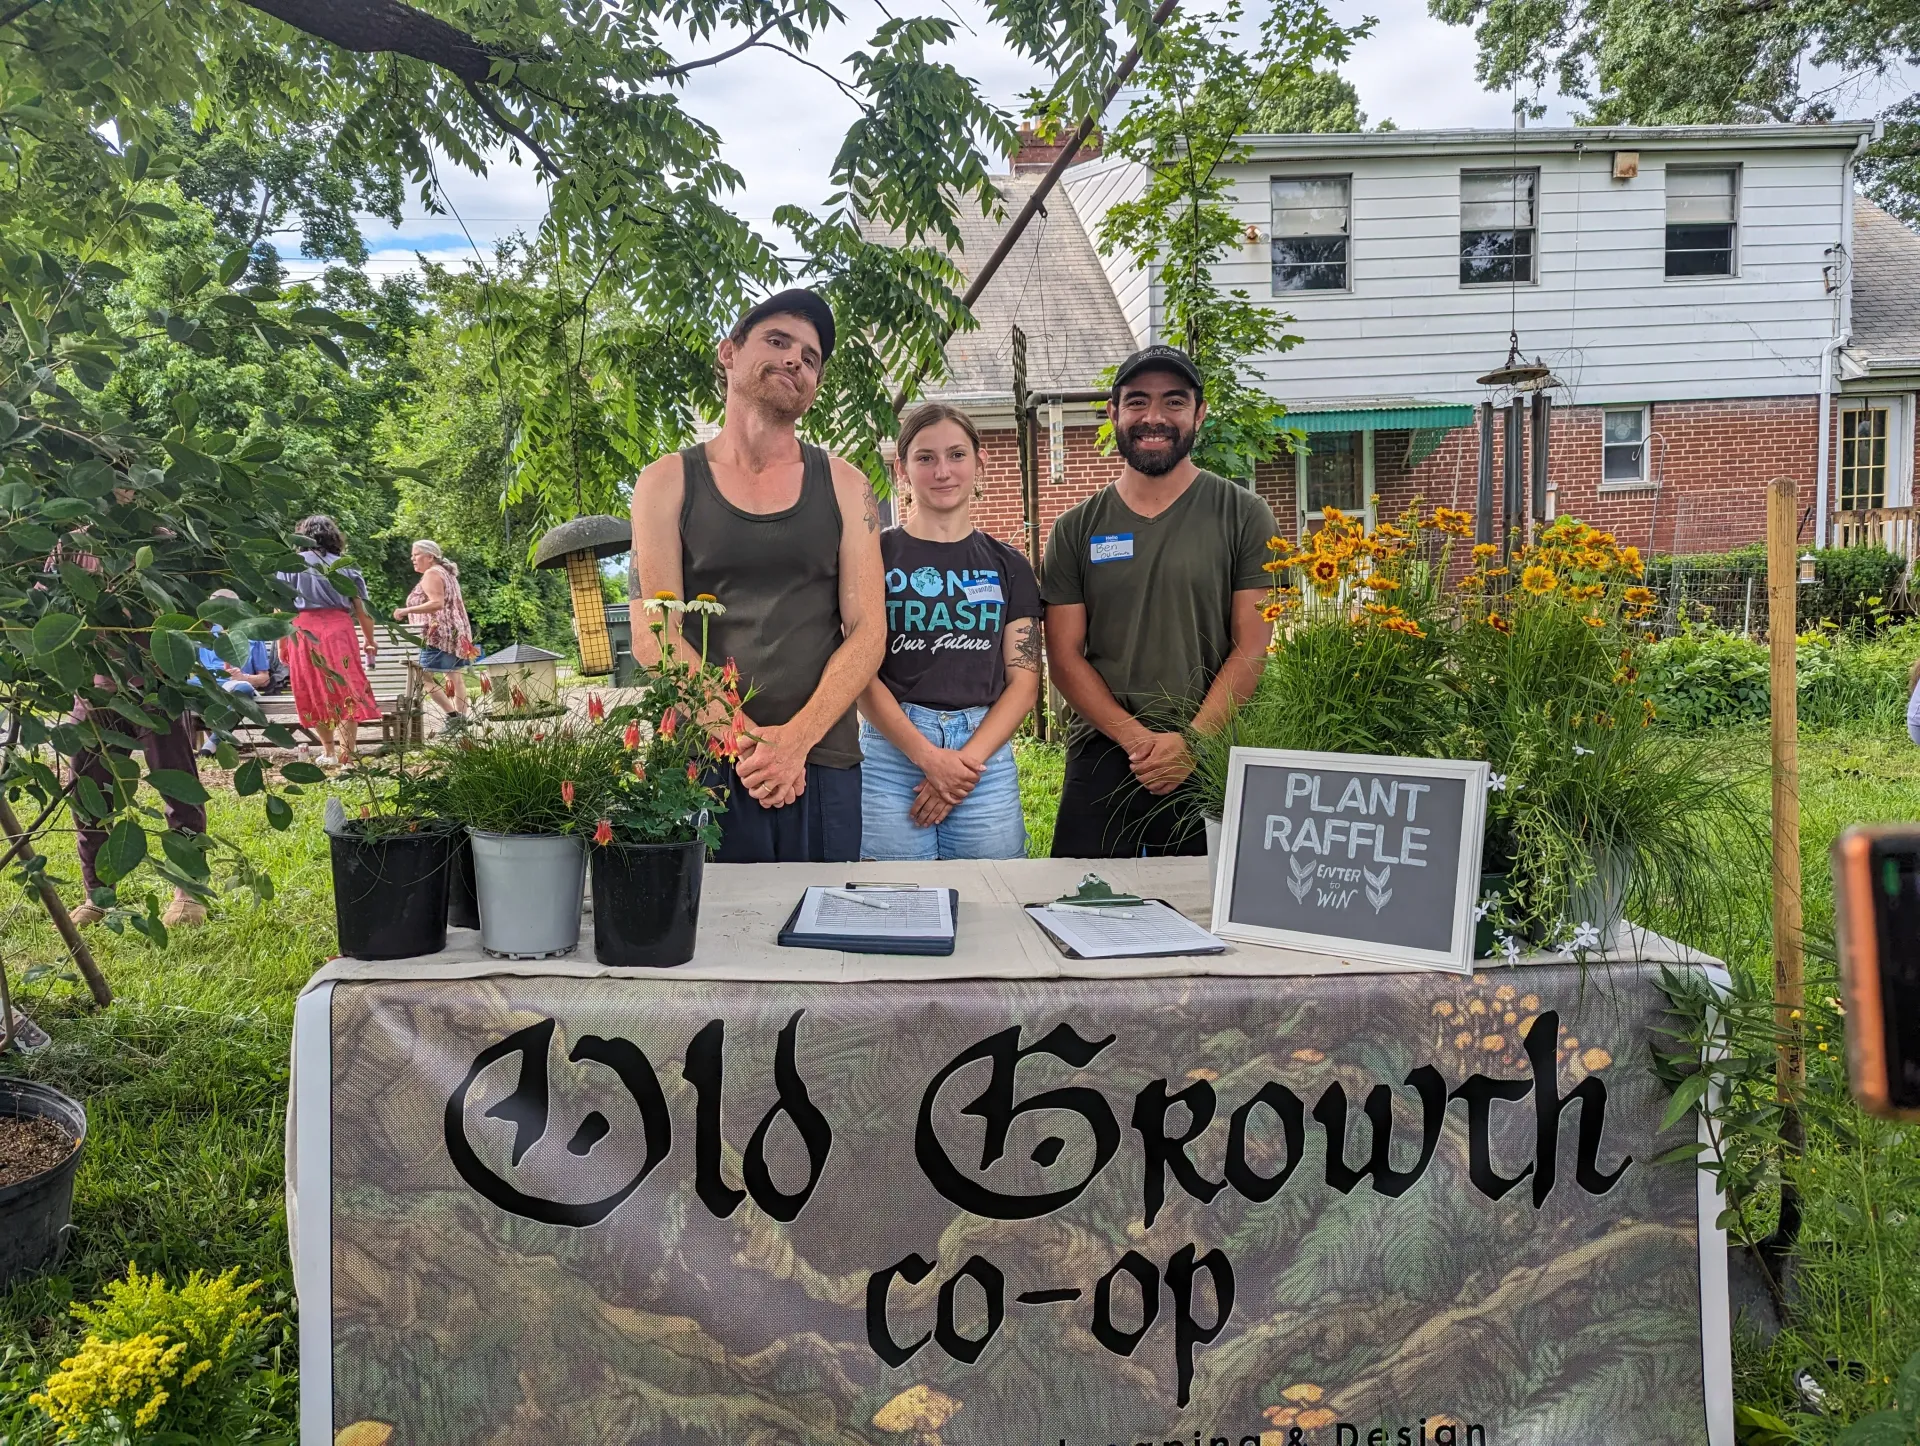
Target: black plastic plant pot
35, 1212
646, 903
390, 894
463, 897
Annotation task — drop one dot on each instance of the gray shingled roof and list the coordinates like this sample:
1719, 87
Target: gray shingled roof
1052, 284
1886, 285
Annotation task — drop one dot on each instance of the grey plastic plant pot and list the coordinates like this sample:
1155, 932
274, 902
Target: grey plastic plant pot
530, 888
35, 1212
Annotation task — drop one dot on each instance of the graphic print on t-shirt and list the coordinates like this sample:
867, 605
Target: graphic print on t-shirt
930, 610
949, 605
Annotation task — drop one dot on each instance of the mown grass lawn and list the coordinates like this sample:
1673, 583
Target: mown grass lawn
185, 1082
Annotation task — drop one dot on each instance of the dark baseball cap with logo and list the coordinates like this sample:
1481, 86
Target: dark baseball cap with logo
795, 301
1159, 358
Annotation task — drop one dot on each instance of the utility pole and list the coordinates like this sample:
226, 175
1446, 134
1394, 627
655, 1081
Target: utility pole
1789, 983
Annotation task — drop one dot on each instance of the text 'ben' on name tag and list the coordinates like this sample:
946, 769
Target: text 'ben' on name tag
1114, 547
983, 590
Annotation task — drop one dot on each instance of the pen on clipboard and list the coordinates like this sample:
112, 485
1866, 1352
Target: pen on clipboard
857, 897
1092, 911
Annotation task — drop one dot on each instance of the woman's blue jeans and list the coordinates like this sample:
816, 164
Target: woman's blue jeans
986, 824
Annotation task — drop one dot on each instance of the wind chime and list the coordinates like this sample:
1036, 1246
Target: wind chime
1529, 385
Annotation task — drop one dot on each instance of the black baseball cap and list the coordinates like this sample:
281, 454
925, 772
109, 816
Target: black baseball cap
1159, 358
795, 301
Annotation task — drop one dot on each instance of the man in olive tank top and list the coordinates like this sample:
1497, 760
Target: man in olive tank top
787, 537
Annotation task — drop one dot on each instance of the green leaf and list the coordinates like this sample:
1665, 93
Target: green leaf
233, 263
303, 773
1691, 1091
152, 210
54, 631
1882, 1428
330, 349
1691, 1150
1907, 1389
92, 800
249, 778
142, 558
66, 509
185, 853
317, 316
177, 785
125, 849
175, 654
279, 812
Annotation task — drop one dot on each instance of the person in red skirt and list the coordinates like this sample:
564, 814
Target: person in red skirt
330, 688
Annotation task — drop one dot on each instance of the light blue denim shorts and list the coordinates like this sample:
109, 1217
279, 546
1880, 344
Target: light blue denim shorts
986, 825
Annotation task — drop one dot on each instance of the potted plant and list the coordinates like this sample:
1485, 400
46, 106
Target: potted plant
392, 858
658, 816
1358, 661
42, 1134
527, 790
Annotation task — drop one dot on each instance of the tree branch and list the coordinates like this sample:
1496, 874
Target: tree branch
745, 45
375, 26
17, 11
485, 102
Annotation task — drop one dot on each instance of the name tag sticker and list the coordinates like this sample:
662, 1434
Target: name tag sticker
983, 590
1114, 547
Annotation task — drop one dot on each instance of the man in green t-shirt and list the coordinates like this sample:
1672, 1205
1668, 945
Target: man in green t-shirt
1154, 587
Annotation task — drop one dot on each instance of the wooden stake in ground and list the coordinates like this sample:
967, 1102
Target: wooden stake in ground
1789, 985
57, 911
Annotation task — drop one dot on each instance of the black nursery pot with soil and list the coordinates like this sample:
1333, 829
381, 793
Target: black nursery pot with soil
390, 893
41, 1136
646, 903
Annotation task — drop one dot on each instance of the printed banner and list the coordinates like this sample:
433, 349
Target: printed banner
1398, 1210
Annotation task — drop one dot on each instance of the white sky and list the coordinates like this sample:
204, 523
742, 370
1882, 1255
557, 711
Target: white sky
782, 122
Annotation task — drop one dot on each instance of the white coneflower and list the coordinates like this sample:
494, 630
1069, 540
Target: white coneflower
705, 602
664, 602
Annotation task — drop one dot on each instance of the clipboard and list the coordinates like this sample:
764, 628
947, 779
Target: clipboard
1070, 952
866, 944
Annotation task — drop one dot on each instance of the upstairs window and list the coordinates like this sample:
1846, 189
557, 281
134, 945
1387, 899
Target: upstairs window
1310, 221
1497, 226
1702, 212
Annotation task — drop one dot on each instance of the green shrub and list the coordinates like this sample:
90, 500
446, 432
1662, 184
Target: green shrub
1705, 678
1852, 586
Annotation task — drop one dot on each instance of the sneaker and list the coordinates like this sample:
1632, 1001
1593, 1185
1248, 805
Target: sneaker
327, 760
87, 913
185, 912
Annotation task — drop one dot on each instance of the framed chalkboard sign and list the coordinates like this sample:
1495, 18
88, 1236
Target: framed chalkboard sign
1353, 855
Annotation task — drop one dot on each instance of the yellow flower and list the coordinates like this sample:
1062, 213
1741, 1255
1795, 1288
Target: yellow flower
1539, 580
1593, 622
1303, 1394
1446, 519
1382, 584
1316, 1418
1587, 591
1596, 1058
1498, 623
1640, 597
1630, 560
1484, 549
1324, 571
1281, 545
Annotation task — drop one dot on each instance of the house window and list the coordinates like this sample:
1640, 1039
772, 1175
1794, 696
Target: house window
1702, 212
1623, 447
1310, 219
1497, 226
1863, 458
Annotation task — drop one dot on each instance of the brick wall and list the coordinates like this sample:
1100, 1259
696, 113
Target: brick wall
1712, 461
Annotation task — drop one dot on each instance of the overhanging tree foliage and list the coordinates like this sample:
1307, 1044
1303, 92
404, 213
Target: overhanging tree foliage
117, 113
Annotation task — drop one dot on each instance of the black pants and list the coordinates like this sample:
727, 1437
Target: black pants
1106, 814
821, 826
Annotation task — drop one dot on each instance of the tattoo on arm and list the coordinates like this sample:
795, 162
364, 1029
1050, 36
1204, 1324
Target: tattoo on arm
1026, 652
870, 509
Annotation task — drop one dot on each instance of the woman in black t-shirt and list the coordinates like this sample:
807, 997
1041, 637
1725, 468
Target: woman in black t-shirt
962, 668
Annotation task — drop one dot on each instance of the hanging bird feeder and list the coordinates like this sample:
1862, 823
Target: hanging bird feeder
578, 546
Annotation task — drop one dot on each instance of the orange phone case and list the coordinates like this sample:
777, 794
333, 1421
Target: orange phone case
1859, 947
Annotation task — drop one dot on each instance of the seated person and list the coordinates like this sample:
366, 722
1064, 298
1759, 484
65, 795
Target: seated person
249, 681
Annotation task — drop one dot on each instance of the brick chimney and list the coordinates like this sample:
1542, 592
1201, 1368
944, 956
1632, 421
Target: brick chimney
1034, 155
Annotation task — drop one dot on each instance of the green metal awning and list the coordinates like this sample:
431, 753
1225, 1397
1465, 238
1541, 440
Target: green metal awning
1418, 417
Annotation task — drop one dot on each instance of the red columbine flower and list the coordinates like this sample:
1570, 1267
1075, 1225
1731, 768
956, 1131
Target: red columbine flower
566, 792
733, 698
486, 683
604, 833
693, 773
631, 737
596, 710
518, 698
640, 770
669, 721
730, 675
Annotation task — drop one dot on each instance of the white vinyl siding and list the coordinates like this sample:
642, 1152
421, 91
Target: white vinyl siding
1602, 313
1093, 189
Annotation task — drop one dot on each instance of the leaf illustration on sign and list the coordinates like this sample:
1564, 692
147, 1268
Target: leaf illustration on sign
1377, 891
1302, 879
